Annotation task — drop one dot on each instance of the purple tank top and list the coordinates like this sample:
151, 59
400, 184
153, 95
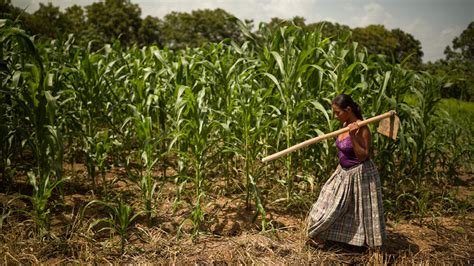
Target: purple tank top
346, 154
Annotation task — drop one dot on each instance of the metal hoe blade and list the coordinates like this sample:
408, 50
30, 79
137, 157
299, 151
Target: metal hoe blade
389, 126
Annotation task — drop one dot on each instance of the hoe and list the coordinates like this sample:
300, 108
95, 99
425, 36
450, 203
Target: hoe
388, 126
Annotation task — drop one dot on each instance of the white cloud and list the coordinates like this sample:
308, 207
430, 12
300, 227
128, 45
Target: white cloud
288, 9
373, 13
451, 32
31, 7
433, 39
444, 38
244, 9
329, 19
413, 26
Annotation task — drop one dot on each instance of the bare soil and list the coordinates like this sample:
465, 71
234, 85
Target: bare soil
230, 233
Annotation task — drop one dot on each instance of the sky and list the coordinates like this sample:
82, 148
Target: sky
435, 23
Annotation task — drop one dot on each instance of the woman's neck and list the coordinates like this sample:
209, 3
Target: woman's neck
351, 119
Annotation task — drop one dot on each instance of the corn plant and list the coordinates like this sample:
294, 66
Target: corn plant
42, 191
178, 142
120, 220
247, 130
90, 86
36, 107
287, 62
7, 151
198, 128
144, 129
225, 76
104, 143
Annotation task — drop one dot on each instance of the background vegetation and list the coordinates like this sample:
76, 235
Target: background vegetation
106, 21
192, 102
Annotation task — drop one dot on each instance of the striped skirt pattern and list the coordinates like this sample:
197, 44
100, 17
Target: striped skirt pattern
349, 208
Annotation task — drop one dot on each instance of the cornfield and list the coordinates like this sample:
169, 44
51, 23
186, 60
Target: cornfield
201, 119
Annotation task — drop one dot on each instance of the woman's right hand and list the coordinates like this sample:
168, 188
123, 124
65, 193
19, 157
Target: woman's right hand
353, 128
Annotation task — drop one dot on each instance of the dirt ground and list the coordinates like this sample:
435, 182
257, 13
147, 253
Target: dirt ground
229, 234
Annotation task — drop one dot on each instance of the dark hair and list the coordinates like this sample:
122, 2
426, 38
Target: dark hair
344, 101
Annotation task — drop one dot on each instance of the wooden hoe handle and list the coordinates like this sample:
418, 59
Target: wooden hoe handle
326, 136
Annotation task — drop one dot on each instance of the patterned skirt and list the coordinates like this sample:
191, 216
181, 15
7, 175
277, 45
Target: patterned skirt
349, 208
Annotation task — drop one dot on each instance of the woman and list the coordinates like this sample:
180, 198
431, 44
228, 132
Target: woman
349, 207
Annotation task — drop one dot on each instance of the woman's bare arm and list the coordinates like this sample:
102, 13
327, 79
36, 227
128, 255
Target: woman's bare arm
360, 138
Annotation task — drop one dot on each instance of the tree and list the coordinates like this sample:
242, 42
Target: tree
395, 44
75, 19
376, 39
329, 29
180, 30
275, 23
458, 66
463, 46
214, 25
48, 21
407, 46
150, 31
8, 11
115, 19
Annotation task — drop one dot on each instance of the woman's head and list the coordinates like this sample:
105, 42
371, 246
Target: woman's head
343, 104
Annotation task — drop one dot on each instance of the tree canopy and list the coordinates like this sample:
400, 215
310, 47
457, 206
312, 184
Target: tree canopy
395, 44
115, 19
458, 66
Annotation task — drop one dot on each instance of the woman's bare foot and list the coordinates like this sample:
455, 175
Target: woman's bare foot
316, 243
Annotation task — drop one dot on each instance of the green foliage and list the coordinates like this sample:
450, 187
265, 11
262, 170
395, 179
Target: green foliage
8, 11
107, 21
42, 191
463, 45
76, 22
181, 30
376, 38
276, 23
48, 21
397, 45
329, 29
407, 50
461, 115
114, 19
457, 68
150, 31
462, 112
212, 112
120, 220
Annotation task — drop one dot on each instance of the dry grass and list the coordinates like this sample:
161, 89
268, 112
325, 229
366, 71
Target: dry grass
407, 244
228, 237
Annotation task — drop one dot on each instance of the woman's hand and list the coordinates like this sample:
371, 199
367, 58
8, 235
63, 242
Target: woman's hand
353, 128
